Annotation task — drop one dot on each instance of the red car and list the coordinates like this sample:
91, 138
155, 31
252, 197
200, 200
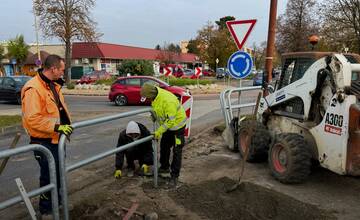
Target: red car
126, 90
94, 76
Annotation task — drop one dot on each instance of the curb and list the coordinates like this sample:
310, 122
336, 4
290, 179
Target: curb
11, 130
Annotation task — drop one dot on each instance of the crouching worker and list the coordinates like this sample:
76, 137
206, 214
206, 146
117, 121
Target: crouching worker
142, 152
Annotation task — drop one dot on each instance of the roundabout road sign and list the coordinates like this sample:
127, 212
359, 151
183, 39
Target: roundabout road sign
240, 64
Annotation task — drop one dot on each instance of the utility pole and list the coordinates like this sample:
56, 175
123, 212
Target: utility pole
271, 40
36, 33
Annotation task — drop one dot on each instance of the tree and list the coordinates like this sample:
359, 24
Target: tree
168, 53
341, 25
2, 56
296, 25
215, 43
158, 47
193, 46
138, 67
67, 20
173, 48
18, 50
222, 22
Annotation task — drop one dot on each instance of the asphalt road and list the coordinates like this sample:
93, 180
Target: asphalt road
92, 140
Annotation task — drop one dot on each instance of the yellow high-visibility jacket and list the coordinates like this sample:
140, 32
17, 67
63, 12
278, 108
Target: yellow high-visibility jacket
169, 112
39, 109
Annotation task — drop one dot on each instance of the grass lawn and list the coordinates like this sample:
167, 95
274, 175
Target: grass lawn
8, 120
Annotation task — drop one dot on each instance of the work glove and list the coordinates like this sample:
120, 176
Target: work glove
64, 129
117, 174
157, 135
146, 170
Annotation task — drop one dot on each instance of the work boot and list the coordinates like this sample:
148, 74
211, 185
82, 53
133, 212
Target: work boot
164, 173
173, 182
130, 173
44, 216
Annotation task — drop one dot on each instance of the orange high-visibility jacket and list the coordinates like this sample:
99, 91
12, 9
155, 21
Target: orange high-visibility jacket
39, 109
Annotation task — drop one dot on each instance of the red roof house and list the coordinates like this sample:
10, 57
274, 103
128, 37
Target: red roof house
120, 52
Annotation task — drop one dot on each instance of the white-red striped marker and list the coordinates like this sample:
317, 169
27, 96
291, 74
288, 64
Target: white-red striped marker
167, 71
186, 102
198, 71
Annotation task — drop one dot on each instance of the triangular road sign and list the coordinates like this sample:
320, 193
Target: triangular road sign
240, 30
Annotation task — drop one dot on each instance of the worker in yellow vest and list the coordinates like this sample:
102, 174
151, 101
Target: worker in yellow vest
171, 117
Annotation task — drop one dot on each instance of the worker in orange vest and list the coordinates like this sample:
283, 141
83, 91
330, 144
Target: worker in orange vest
45, 117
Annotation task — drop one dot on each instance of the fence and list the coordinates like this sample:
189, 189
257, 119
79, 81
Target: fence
227, 107
62, 163
50, 187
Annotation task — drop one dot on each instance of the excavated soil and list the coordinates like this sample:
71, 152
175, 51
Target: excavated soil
202, 192
209, 170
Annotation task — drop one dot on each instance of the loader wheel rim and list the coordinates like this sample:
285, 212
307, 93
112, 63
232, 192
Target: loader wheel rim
279, 158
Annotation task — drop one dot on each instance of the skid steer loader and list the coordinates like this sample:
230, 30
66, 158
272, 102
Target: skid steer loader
312, 114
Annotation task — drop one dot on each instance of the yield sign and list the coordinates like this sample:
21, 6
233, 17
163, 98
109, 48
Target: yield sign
167, 71
198, 71
240, 30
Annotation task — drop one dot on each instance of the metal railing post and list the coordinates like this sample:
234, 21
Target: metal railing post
226, 105
62, 152
63, 180
52, 172
155, 166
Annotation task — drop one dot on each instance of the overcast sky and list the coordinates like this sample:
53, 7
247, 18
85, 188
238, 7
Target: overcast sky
146, 23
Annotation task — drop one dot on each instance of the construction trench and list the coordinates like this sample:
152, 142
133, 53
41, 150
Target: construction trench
209, 169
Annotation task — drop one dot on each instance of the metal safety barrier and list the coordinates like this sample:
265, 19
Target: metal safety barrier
62, 163
50, 187
227, 107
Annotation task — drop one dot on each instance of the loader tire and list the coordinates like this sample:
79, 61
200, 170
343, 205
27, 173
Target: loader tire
259, 144
290, 158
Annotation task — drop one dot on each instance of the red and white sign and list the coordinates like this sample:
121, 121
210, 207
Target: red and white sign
198, 71
167, 71
332, 129
186, 102
240, 30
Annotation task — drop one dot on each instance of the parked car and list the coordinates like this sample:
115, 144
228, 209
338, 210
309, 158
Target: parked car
208, 72
93, 76
189, 74
126, 90
258, 79
10, 88
221, 73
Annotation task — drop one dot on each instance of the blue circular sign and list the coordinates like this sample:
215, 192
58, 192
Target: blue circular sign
240, 64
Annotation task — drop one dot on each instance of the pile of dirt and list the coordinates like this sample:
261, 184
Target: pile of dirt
201, 193
250, 202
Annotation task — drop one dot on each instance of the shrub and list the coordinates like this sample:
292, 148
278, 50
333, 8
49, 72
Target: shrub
138, 67
184, 82
70, 86
8, 120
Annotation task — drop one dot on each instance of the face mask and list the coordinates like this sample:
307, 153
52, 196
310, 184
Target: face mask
136, 138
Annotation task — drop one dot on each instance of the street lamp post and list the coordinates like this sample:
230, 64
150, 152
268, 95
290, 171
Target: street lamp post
37, 34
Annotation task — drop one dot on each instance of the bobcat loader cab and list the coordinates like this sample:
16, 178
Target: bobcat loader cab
312, 114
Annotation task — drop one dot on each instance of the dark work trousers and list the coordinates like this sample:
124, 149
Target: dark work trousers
135, 153
45, 198
168, 141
